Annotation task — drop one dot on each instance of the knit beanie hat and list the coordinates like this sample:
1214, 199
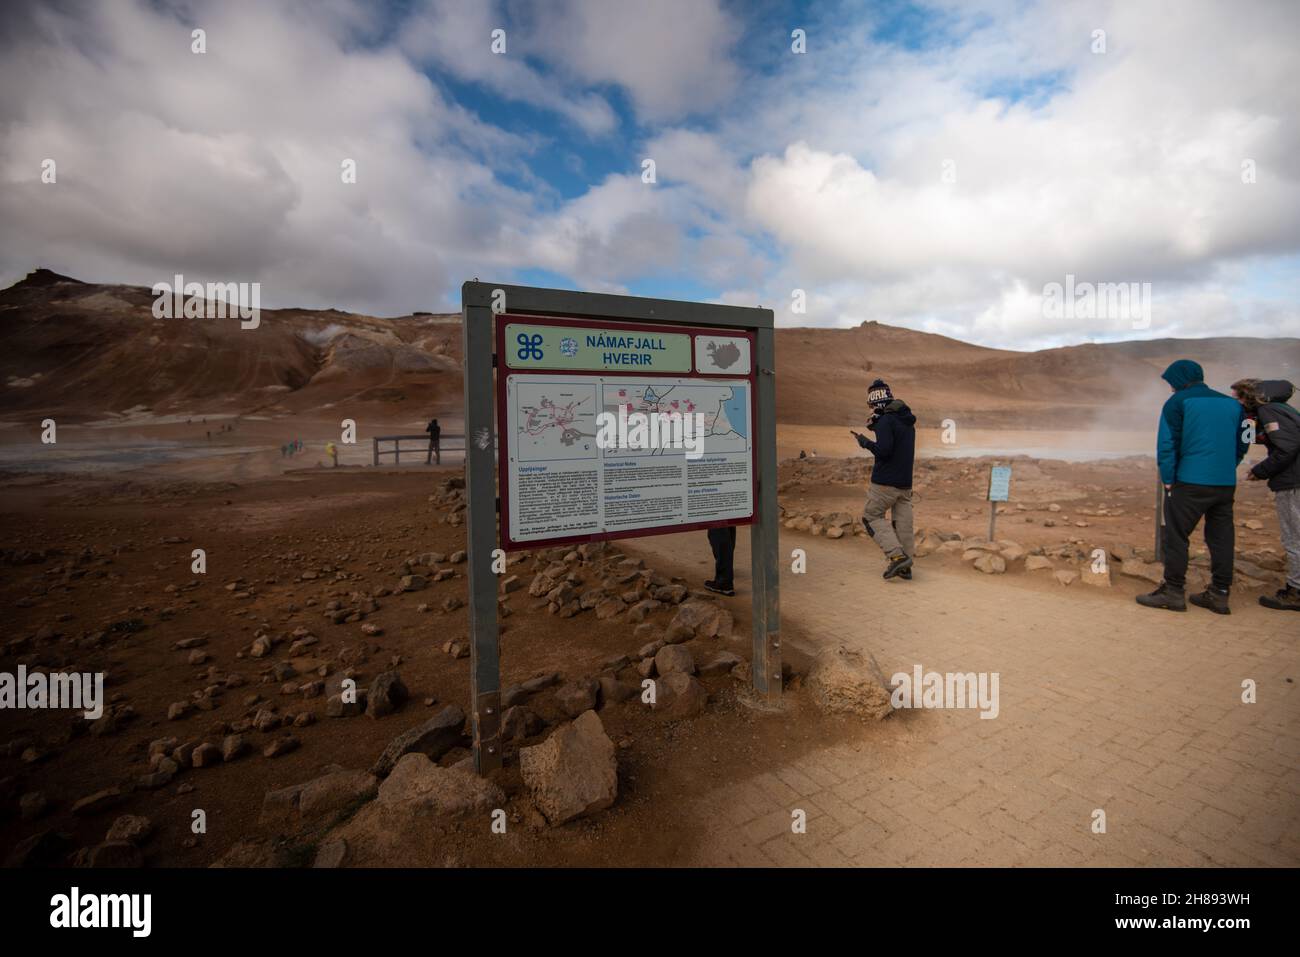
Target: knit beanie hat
879, 393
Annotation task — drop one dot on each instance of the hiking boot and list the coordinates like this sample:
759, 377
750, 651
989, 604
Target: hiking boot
897, 565
1286, 599
1213, 599
720, 588
1166, 596
906, 575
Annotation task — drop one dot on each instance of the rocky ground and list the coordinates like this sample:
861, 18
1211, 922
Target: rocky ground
1072, 523
306, 698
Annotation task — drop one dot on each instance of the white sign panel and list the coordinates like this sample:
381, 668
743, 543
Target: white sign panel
722, 355
563, 483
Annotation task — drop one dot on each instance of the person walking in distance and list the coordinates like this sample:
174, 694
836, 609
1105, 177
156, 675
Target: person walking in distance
723, 543
1199, 445
1278, 430
890, 490
435, 442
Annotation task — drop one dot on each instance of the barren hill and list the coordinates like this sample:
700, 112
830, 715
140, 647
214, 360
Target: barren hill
85, 349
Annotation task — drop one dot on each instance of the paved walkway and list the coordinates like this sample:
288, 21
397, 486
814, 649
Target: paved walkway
1104, 705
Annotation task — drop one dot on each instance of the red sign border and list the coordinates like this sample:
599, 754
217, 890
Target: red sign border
503, 445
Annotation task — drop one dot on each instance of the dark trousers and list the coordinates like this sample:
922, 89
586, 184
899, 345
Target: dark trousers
1185, 505
435, 448
723, 543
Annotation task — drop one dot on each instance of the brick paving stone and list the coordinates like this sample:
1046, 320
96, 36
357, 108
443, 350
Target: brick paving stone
1103, 705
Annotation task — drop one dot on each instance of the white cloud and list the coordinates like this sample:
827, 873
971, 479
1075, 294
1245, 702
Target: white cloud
673, 57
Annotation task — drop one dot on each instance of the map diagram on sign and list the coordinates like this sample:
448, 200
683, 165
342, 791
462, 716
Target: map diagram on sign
556, 421
725, 409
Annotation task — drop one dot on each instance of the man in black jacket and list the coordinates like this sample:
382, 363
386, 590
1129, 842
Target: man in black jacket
1277, 427
891, 478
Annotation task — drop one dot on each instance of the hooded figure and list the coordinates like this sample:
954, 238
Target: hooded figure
890, 491
1278, 430
1200, 443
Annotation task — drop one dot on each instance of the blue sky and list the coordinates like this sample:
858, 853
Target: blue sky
930, 165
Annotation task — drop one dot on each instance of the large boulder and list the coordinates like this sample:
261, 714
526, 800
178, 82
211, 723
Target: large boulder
846, 681
433, 738
573, 772
418, 785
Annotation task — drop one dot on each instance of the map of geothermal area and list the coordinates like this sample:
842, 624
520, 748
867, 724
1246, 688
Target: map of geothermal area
725, 409
556, 421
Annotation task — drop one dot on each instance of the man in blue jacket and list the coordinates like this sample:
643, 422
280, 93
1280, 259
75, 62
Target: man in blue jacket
1200, 445
891, 479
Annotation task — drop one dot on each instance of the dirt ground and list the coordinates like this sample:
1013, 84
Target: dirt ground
97, 578
90, 561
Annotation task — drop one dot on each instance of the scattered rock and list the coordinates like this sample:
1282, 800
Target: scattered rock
281, 746
679, 695
433, 739
205, 756
335, 791
233, 746
1147, 571
700, 619
386, 694
519, 723
130, 828
671, 658
573, 772
417, 784
720, 664
577, 696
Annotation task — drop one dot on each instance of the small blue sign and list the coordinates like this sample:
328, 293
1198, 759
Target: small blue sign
1000, 484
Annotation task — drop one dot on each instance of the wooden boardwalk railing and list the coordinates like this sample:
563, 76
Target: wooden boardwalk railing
416, 451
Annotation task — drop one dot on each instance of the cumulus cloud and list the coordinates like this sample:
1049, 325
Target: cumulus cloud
939, 175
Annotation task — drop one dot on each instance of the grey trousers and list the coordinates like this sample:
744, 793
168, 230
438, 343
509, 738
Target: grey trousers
1288, 519
895, 535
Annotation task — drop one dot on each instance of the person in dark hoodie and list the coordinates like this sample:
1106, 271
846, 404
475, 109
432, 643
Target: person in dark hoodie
1278, 430
1199, 447
891, 478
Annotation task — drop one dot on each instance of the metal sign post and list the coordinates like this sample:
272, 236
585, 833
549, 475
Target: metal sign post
552, 328
999, 491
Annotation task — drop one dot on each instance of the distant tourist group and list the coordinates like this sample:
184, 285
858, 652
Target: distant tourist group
1203, 436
